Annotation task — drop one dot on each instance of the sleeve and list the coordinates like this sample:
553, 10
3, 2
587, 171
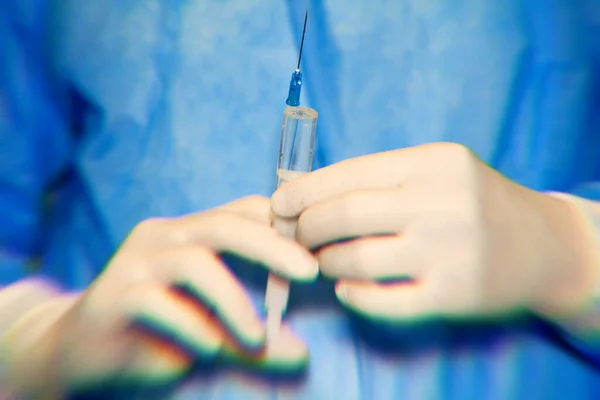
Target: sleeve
34, 135
583, 331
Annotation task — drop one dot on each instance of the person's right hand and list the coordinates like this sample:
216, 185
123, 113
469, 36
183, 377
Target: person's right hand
167, 276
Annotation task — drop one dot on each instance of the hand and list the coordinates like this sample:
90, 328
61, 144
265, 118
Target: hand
168, 277
470, 242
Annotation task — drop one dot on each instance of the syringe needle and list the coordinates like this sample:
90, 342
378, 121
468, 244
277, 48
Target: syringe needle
302, 42
293, 98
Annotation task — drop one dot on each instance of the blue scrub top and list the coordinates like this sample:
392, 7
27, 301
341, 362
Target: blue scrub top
115, 111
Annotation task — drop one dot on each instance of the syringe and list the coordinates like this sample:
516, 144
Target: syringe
295, 159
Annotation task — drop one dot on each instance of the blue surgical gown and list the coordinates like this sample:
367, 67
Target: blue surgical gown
113, 111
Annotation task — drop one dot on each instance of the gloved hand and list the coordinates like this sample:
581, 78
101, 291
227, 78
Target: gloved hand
470, 241
85, 338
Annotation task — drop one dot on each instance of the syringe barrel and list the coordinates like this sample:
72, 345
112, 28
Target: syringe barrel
295, 159
297, 143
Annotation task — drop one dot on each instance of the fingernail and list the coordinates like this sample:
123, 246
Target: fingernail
255, 339
257, 330
341, 292
277, 202
307, 270
313, 270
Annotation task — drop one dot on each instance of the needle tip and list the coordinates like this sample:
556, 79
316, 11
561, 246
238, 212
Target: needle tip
302, 42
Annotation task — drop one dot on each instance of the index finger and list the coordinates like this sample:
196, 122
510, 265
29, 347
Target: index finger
373, 171
222, 231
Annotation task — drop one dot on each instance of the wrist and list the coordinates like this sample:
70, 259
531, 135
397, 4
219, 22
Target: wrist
20, 297
570, 283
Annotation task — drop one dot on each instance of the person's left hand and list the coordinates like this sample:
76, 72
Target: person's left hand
470, 241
